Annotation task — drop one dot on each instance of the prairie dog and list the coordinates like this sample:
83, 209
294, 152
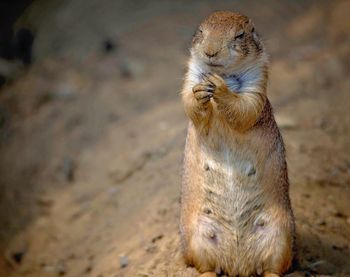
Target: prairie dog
236, 216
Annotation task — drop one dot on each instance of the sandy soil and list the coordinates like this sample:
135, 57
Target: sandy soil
91, 139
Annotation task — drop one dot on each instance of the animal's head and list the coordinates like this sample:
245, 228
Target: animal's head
225, 41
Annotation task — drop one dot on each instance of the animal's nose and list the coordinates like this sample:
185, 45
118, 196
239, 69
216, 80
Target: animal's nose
211, 54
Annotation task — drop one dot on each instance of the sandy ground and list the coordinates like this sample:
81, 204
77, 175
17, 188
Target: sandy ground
92, 135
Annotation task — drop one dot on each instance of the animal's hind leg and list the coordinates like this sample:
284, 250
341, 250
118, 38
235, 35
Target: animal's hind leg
281, 255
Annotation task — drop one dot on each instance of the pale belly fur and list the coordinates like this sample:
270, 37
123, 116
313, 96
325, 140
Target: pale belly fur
232, 226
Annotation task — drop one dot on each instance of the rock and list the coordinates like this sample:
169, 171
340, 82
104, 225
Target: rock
17, 250
88, 269
159, 237
321, 222
123, 261
69, 169
339, 214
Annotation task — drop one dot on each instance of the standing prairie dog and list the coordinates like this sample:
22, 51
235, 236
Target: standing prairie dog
236, 216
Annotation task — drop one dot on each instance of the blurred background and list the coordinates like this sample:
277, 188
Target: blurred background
92, 131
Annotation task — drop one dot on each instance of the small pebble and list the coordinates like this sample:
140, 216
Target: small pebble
88, 269
339, 214
159, 237
123, 261
321, 222
69, 167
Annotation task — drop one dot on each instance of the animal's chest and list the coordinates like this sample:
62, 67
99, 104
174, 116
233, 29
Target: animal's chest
229, 168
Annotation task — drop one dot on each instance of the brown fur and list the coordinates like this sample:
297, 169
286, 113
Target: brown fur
236, 216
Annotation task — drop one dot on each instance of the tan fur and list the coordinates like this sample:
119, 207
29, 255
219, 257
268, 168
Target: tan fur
236, 216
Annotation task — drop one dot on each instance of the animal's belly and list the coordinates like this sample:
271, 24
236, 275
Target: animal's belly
233, 202
231, 189
232, 224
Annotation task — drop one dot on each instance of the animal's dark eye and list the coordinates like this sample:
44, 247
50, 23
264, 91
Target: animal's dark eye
198, 35
239, 35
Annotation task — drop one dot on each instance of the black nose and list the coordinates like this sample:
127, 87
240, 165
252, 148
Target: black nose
212, 54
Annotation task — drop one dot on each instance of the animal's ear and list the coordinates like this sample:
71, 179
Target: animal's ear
250, 26
198, 35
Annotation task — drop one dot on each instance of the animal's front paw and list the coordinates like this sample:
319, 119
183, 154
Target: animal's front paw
203, 92
219, 85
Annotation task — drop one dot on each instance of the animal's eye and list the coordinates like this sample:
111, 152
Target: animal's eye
198, 35
239, 35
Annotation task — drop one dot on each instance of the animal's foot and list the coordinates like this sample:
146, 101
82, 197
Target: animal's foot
208, 274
